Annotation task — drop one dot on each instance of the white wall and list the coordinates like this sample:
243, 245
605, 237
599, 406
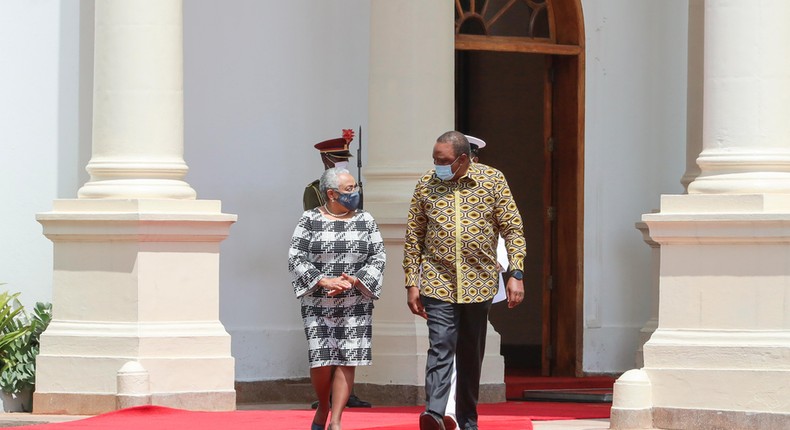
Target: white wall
635, 151
39, 44
263, 82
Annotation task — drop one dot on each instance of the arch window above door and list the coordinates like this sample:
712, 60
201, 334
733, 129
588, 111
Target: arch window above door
512, 18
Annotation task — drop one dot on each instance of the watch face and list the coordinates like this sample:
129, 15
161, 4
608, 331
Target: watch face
518, 274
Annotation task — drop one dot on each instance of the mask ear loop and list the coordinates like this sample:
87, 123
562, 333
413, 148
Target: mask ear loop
459, 167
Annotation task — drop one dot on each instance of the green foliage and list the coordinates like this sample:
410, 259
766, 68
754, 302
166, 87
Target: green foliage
10, 326
19, 342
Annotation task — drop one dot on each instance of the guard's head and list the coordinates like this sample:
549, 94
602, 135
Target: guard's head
474, 146
334, 152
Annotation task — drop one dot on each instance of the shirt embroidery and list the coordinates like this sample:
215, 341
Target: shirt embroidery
452, 231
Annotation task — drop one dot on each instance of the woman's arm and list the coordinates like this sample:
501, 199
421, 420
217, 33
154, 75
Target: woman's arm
370, 277
305, 274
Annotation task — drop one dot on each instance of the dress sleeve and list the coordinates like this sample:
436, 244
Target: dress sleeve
371, 275
305, 274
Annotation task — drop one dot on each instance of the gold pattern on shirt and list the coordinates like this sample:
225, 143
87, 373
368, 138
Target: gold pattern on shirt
452, 231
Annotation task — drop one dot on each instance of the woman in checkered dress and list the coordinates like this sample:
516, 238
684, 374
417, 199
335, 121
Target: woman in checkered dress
337, 260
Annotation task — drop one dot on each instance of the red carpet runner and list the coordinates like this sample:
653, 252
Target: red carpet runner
498, 416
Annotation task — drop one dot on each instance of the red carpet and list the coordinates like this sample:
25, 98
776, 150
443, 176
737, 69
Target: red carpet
498, 416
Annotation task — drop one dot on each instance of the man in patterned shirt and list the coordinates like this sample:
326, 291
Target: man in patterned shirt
457, 213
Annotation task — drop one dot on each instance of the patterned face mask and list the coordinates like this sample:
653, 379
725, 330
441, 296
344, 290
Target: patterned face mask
349, 201
445, 172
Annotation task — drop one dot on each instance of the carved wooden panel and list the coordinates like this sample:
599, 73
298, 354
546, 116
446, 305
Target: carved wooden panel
514, 18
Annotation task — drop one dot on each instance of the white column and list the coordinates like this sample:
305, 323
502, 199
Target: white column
138, 112
695, 90
411, 98
746, 132
136, 257
412, 84
719, 357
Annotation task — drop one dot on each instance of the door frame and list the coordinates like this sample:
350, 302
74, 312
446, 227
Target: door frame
567, 54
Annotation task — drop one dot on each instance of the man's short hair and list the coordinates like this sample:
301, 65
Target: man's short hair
458, 140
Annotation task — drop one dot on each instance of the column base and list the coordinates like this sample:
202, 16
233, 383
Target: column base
644, 336
719, 356
632, 401
631, 419
704, 419
137, 189
94, 404
696, 419
135, 280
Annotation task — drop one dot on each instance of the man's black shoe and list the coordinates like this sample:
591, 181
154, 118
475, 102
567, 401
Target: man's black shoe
429, 421
449, 423
314, 405
356, 402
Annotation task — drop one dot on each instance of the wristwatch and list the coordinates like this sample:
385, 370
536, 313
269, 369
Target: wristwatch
517, 274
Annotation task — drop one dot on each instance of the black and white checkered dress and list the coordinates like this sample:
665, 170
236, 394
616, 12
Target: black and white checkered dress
338, 328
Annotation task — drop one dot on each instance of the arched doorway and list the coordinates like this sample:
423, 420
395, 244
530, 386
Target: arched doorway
520, 87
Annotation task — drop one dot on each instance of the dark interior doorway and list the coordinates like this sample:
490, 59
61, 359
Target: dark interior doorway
501, 98
504, 50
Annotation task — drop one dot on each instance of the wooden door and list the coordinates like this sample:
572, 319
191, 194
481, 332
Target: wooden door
513, 60
505, 99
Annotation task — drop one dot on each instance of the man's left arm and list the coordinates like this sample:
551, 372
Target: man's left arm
511, 228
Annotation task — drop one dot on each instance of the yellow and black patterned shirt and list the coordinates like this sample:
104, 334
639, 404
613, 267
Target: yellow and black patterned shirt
452, 232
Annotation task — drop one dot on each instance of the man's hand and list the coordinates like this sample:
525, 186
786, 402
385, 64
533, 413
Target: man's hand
334, 286
515, 292
414, 302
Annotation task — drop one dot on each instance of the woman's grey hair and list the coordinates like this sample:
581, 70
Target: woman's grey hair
329, 180
458, 140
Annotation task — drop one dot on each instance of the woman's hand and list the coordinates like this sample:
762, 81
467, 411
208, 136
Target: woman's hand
334, 286
352, 280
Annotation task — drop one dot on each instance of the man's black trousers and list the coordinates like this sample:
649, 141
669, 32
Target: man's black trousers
455, 330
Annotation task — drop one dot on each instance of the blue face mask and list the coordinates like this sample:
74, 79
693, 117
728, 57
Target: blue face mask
445, 172
349, 201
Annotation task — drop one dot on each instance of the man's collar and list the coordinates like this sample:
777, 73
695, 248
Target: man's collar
474, 173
